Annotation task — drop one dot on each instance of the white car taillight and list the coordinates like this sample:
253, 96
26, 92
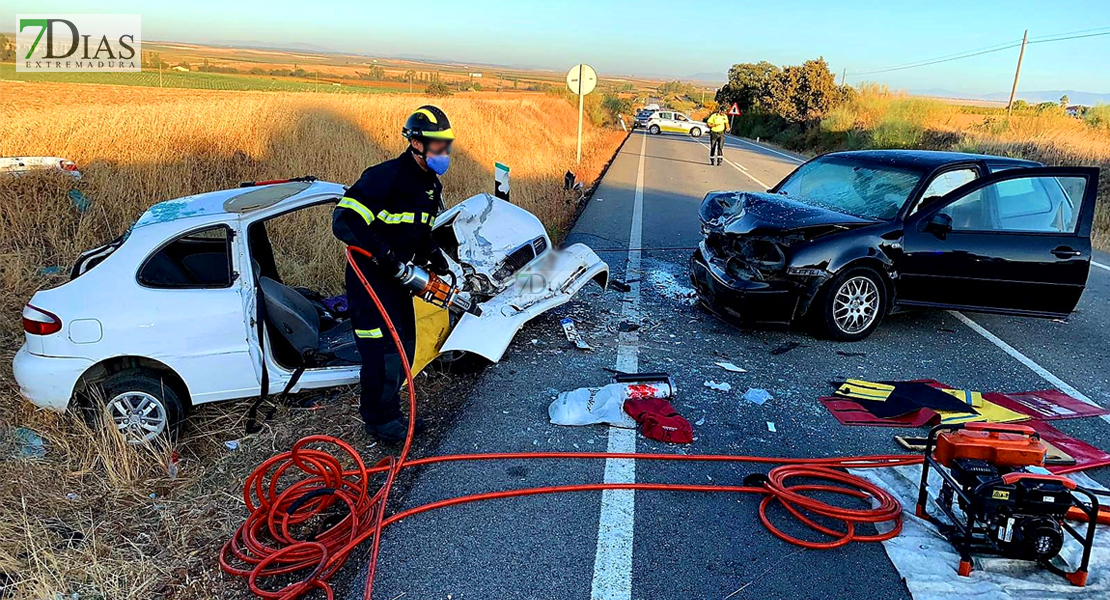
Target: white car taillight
67, 165
37, 321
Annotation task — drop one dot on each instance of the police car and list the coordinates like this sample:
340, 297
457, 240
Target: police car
669, 121
166, 317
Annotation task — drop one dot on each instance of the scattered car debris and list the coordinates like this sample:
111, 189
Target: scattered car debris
80, 202
771, 427
846, 353
626, 326
173, 465
720, 387
784, 348
26, 444
55, 270
756, 396
572, 334
16, 166
730, 367
619, 286
232, 445
668, 286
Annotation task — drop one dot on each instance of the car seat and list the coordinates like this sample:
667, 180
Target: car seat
292, 316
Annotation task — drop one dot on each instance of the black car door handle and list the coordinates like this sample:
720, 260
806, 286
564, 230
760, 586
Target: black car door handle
1065, 252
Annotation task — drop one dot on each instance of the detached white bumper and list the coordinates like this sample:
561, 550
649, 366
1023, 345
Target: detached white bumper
538, 288
47, 381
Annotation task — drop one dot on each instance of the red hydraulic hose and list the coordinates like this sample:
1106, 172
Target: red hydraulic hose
310, 488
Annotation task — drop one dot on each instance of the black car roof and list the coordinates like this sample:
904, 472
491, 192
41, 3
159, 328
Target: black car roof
927, 159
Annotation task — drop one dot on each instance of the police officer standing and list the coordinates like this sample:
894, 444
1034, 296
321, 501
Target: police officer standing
718, 126
389, 212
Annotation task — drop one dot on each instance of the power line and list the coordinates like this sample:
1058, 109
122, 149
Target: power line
1052, 35
1074, 37
1056, 37
938, 61
946, 56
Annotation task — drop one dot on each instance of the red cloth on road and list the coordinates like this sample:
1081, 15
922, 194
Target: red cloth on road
659, 421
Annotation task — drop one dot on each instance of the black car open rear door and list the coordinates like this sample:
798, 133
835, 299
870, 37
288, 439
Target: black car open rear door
1017, 241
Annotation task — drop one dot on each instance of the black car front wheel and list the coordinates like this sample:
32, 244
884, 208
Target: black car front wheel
852, 305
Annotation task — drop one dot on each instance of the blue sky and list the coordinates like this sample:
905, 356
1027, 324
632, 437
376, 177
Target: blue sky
677, 39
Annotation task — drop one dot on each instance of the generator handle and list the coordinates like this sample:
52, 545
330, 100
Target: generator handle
1003, 428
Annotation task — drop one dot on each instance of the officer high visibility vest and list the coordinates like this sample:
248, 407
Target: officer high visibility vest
717, 122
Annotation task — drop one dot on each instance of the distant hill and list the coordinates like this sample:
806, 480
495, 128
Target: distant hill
1074, 96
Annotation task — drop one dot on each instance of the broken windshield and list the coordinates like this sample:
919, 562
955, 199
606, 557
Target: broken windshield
869, 191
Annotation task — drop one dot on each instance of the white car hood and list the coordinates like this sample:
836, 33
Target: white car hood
490, 231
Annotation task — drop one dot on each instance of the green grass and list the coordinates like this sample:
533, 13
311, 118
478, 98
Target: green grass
192, 80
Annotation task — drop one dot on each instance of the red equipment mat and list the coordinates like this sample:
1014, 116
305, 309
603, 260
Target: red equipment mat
1046, 405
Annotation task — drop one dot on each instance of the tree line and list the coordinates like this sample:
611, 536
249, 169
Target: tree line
795, 94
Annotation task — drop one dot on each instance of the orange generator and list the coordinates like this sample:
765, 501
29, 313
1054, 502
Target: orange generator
994, 501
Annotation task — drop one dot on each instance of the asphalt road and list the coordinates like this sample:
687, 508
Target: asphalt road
664, 545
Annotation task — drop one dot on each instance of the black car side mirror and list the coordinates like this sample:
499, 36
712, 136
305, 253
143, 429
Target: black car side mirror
939, 224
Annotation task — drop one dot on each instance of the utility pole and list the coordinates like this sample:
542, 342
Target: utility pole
1013, 90
843, 75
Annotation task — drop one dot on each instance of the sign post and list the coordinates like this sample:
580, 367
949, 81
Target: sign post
581, 80
733, 111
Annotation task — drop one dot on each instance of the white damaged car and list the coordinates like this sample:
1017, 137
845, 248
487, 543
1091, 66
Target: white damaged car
167, 316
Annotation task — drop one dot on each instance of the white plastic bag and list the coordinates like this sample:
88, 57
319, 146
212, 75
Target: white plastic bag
589, 406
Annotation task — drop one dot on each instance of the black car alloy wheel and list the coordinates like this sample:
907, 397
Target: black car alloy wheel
854, 303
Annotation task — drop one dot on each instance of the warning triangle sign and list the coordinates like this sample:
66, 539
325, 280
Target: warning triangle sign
734, 110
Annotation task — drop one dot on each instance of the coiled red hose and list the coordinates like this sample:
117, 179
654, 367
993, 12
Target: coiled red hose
329, 492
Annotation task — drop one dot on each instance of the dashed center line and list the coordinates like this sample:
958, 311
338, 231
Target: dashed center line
740, 168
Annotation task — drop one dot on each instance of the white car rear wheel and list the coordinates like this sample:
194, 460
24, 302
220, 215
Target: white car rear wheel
696, 132
142, 405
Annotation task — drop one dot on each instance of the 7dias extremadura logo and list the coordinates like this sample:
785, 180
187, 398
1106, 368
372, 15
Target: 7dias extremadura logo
74, 43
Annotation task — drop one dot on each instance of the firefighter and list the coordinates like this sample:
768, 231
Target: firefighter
718, 126
389, 212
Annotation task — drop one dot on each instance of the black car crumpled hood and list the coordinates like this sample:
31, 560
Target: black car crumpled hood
745, 213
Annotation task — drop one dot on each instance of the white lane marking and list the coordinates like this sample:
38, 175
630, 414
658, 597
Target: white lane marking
1056, 382
613, 561
1100, 265
741, 169
771, 150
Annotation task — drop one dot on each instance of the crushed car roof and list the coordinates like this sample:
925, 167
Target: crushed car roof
233, 201
928, 159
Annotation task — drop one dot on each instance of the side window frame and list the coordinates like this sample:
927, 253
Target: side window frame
1085, 208
229, 248
918, 204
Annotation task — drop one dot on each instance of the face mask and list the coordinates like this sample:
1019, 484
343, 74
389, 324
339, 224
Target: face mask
438, 163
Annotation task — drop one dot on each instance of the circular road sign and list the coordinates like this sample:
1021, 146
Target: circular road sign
582, 76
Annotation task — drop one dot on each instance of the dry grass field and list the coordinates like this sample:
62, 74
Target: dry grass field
95, 519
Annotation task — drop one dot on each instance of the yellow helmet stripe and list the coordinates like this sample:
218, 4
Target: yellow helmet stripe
426, 113
446, 134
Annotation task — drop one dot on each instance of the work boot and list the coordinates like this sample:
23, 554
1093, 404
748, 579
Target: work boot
392, 432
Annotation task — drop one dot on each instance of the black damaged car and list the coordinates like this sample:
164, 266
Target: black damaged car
849, 236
